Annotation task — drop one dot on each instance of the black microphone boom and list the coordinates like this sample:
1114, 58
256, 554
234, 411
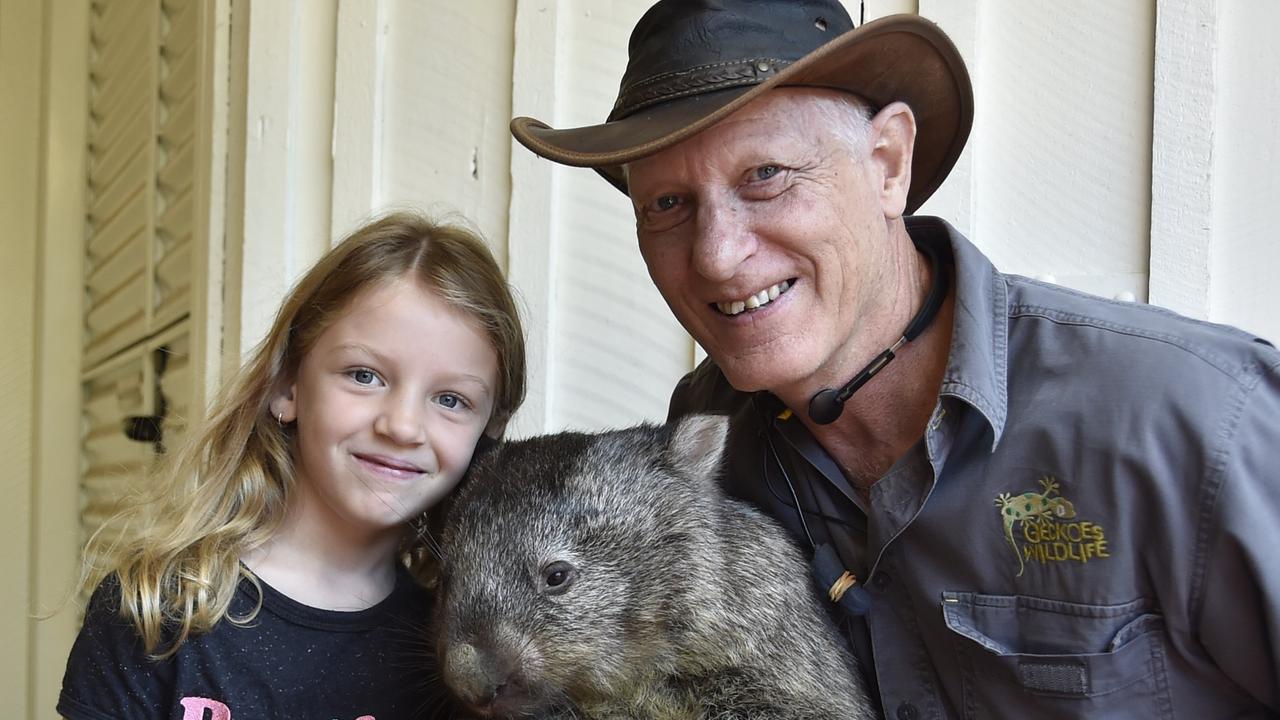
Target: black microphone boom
826, 405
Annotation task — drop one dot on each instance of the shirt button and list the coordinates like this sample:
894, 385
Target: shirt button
881, 581
907, 711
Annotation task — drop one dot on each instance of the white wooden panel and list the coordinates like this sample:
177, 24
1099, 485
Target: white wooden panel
955, 200
446, 147
1064, 137
288, 154
54, 552
213, 330
358, 115
617, 348
1246, 250
533, 249
1182, 155
21, 50
872, 9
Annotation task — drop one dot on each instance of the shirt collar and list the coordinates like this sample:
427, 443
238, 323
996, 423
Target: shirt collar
977, 366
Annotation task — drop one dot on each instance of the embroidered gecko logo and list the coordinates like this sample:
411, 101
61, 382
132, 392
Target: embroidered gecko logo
1029, 506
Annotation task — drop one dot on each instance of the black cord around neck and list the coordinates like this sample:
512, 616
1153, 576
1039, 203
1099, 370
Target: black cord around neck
826, 405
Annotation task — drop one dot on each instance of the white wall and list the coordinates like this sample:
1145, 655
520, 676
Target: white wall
1245, 258
1062, 141
1082, 168
615, 346
446, 107
43, 89
20, 136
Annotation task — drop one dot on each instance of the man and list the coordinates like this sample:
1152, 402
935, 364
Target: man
1055, 506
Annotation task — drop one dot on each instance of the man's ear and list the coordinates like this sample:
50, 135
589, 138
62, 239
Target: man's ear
893, 140
283, 405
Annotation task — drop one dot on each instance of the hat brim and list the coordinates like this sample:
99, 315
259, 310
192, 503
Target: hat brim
902, 57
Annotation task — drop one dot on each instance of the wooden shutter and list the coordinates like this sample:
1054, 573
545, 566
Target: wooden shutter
114, 464
143, 147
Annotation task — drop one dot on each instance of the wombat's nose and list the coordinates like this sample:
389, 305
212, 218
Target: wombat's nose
483, 681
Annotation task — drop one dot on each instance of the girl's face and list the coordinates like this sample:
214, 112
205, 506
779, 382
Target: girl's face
389, 405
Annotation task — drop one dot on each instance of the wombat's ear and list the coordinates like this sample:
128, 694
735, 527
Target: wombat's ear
697, 444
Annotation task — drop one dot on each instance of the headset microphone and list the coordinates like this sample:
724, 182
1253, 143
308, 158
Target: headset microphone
826, 405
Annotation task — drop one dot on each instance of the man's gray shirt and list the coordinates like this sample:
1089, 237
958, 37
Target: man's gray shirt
1088, 528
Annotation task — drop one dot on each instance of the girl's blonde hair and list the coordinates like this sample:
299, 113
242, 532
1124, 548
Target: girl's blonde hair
225, 492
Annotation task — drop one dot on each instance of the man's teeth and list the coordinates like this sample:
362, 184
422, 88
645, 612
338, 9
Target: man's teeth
760, 299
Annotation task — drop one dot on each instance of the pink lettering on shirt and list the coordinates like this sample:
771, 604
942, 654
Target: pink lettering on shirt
193, 709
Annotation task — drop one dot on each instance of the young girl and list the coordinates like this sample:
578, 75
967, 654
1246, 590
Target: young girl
272, 576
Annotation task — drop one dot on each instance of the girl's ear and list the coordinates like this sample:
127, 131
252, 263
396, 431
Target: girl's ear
283, 406
497, 426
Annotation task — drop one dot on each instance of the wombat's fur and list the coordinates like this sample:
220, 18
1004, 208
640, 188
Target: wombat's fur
607, 576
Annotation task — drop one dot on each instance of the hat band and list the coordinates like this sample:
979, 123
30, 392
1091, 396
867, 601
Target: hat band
694, 81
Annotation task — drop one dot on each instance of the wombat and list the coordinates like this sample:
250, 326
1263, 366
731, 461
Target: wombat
608, 576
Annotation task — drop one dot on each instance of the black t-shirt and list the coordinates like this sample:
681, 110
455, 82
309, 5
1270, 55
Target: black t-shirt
292, 661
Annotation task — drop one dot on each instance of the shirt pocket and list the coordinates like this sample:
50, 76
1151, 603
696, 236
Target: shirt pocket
1024, 656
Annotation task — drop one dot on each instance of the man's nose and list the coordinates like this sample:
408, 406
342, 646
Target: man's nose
724, 241
403, 420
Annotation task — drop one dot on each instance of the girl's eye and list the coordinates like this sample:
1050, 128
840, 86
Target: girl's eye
363, 376
764, 172
451, 401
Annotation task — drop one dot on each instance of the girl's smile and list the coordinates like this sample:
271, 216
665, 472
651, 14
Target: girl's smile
389, 466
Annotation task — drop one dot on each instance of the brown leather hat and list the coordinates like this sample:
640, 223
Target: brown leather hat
694, 62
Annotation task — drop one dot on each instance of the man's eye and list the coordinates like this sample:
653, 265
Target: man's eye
363, 376
666, 202
764, 172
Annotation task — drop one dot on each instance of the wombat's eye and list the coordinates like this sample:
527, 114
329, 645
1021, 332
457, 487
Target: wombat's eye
557, 577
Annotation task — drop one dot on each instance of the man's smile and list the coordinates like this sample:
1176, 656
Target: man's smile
754, 301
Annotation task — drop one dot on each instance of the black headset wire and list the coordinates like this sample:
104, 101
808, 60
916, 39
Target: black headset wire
795, 504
